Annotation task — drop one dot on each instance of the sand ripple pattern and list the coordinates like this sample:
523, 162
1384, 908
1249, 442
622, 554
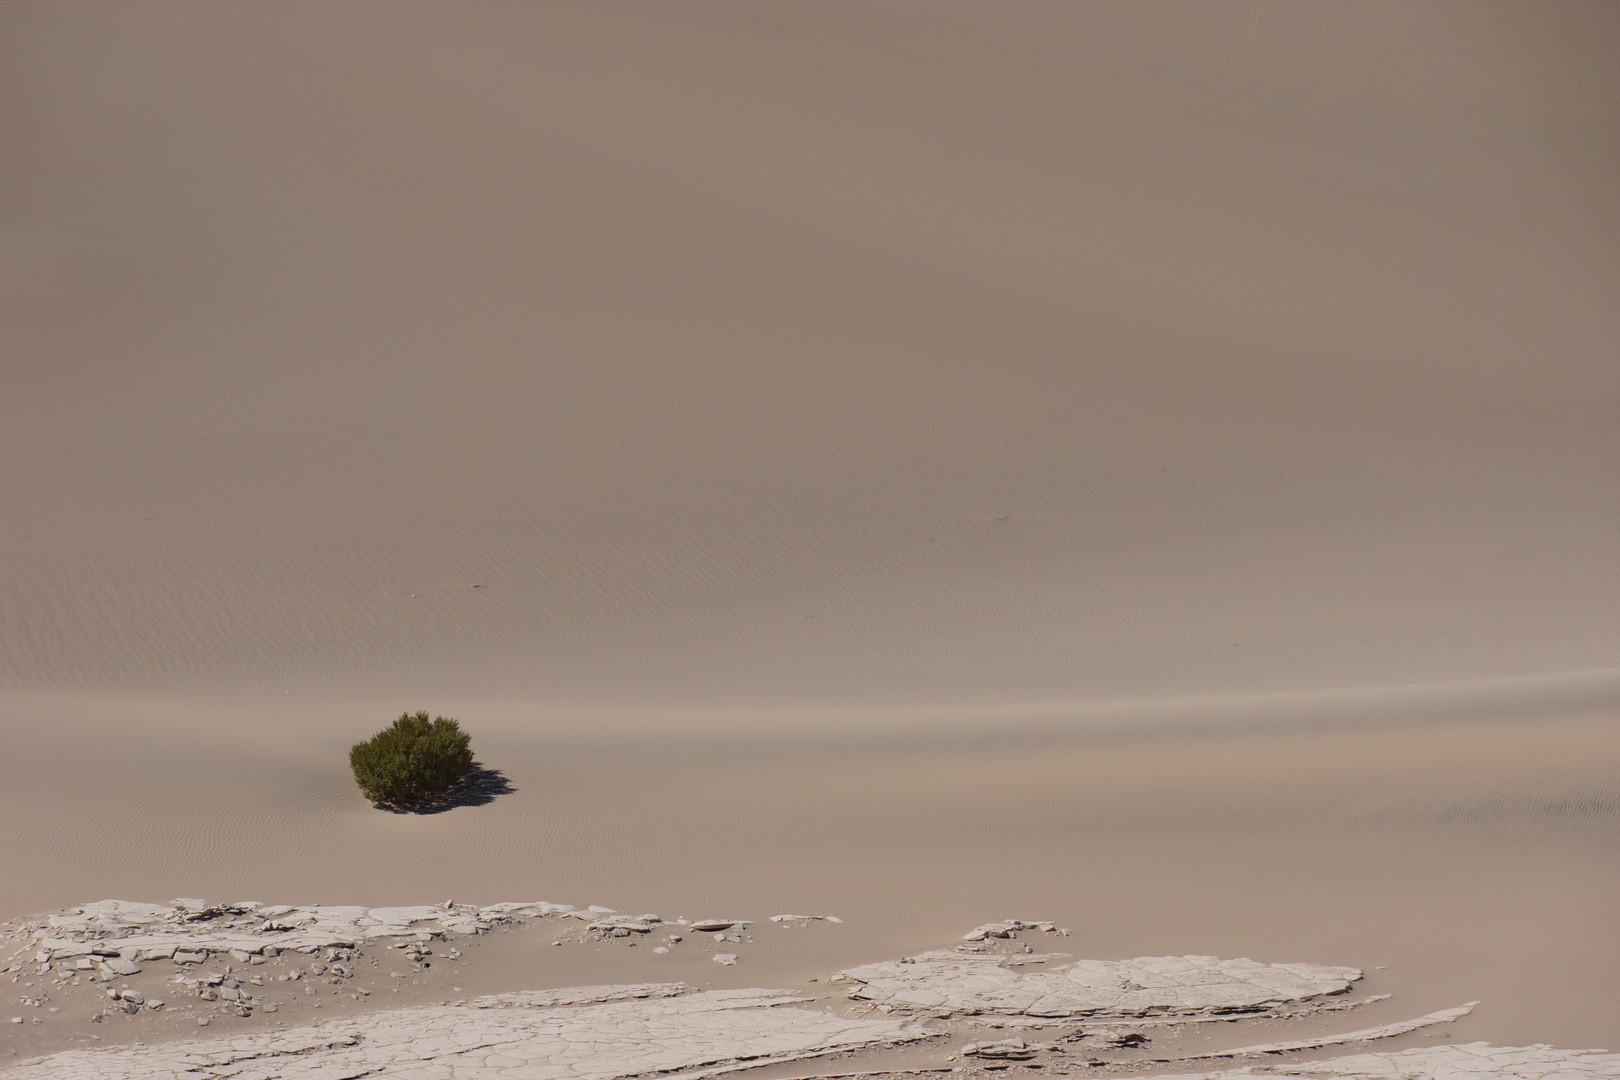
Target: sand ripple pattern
575, 359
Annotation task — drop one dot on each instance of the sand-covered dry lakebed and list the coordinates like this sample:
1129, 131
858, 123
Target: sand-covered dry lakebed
250, 979
1135, 478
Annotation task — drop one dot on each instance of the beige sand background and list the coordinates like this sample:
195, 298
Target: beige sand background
1150, 466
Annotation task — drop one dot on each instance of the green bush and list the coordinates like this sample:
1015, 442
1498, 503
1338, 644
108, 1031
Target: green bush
413, 764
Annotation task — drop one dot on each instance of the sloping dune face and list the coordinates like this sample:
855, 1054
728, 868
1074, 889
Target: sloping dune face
1144, 465
828, 353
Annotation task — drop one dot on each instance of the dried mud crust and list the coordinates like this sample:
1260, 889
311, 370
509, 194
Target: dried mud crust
118, 971
958, 983
1444, 1063
1465, 1061
240, 985
649, 1031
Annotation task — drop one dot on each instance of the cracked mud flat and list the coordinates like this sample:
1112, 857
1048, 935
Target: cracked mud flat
1166, 985
633, 1031
239, 983
1444, 1063
119, 970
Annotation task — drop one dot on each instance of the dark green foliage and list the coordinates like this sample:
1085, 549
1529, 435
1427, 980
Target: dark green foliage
413, 764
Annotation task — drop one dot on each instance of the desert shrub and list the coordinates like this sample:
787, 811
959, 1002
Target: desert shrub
415, 763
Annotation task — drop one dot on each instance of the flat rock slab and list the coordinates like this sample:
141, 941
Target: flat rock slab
1460, 1062
953, 983
650, 1029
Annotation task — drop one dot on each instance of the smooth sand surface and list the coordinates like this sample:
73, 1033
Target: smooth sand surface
1145, 465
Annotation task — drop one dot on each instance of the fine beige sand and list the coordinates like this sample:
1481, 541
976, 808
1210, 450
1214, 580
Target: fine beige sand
1149, 466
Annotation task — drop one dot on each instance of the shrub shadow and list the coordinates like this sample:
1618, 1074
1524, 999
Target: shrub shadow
480, 787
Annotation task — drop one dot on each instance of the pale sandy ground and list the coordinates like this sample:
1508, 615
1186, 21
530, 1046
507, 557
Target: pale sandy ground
1147, 466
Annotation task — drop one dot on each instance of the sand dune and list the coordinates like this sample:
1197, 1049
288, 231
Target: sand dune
761, 354
1146, 465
